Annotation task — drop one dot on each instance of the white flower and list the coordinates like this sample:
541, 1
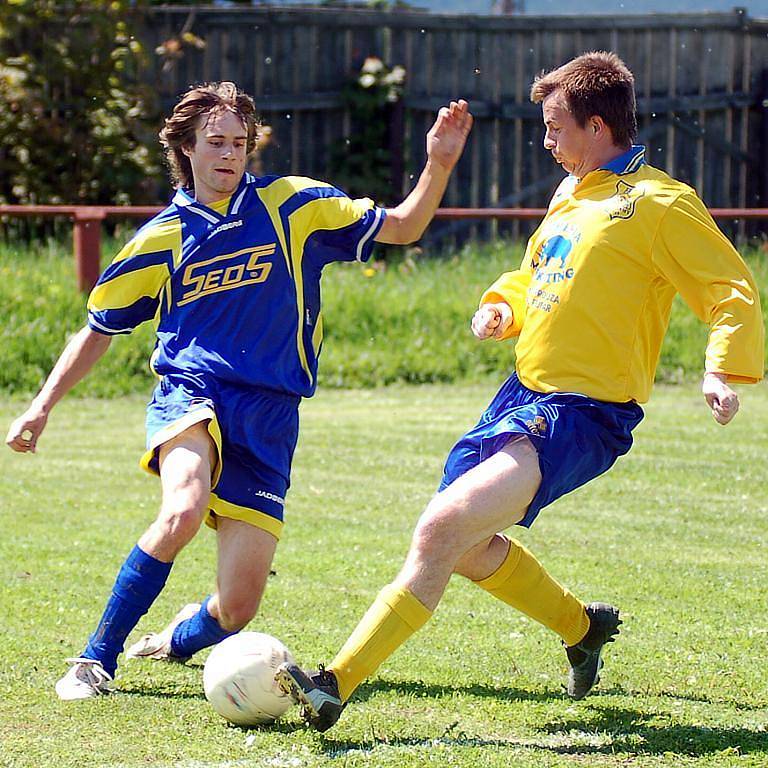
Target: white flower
367, 80
397, 75
372, 65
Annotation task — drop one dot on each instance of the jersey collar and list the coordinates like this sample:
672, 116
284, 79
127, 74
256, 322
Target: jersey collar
184, 198
627, 162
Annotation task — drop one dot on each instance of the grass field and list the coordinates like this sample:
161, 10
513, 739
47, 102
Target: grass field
676, 534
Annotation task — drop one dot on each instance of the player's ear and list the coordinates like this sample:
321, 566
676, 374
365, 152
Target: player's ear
187, 149
596, 124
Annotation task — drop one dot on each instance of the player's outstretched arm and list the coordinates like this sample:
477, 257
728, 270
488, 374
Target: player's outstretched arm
445, 142
78, 357
721, 399
492, 320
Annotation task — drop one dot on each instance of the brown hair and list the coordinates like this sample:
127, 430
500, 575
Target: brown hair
199, 101
595, 83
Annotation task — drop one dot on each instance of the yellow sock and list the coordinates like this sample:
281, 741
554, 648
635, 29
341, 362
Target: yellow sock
522, 582
394, 616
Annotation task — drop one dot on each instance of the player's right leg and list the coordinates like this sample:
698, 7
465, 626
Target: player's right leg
186, 461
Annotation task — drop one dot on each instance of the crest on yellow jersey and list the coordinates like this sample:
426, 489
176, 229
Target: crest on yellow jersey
622, 204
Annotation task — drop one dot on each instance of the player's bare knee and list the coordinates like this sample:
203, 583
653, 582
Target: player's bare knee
179, 523
236, 610
435, 534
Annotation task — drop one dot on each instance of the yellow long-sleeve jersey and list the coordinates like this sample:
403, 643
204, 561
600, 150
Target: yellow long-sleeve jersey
592, 298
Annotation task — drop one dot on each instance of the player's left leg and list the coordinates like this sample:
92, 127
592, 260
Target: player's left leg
245, 556
255, 435
246, 552
510, 572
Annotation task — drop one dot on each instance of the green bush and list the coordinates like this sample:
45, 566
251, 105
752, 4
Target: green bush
76, 126
403, 320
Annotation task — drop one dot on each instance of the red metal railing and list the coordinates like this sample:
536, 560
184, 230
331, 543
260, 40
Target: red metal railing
87, 225
86, 230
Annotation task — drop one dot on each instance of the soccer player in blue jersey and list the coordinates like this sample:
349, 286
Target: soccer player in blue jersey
589, 304
230, 274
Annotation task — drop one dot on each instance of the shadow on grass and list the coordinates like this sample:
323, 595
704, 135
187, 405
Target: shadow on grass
161, 692
508, 693
617, 732
617, 690
452, 736
336, 749
602, 730
643, 733
420, 689
279, 726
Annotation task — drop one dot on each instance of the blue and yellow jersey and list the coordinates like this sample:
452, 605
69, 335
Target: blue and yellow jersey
592, 298
234, 288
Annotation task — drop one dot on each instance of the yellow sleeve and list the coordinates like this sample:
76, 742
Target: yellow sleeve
128, 291
337, 210
512, 287
713, 280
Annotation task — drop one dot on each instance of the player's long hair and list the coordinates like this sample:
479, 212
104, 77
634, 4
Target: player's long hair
198, 102
595, 83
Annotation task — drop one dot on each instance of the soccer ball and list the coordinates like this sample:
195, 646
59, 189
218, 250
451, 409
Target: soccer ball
239, 678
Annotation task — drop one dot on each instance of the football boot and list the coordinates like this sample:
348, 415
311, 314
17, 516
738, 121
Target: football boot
316, 692
585, 657
85, 679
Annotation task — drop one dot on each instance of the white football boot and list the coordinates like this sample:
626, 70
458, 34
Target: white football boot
157, 646
85, 679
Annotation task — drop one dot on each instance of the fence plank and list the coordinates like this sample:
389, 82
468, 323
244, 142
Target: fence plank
698, 78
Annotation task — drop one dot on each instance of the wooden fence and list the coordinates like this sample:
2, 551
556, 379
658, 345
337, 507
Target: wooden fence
702, 87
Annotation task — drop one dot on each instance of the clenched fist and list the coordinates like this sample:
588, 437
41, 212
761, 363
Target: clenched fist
492, 320
721, 399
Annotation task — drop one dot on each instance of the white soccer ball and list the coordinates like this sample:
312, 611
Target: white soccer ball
239, 678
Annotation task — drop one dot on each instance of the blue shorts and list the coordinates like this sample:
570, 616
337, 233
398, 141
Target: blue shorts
255, 432
577, 438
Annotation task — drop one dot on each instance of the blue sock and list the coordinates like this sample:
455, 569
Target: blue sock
139, 582
198, 632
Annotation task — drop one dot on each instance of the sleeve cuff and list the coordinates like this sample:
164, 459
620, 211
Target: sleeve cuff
366, 243
98, 327
492, 297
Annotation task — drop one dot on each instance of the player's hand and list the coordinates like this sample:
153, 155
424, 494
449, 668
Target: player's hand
492, 320
446, 138
25, 431
722, 400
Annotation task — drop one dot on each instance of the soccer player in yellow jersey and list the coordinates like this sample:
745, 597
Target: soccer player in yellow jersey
229, 272
590, 305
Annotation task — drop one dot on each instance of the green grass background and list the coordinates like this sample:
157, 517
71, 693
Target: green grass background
404, 320
676, 534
